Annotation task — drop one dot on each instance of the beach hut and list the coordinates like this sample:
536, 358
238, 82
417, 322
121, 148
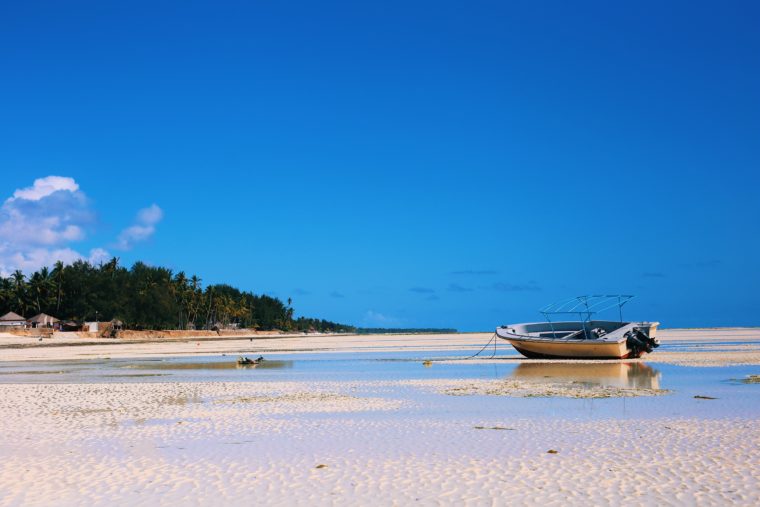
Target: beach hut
70, 325
43, 320
12, 319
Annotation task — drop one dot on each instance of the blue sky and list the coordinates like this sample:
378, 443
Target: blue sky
448, 164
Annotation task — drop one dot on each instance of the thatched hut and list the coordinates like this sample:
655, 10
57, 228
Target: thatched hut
12, 319
43, 320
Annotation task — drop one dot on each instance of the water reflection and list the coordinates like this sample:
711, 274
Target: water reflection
210, 365
625, 375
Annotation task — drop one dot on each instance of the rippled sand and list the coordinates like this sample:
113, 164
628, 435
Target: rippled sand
523, 389
217, 443
365, 442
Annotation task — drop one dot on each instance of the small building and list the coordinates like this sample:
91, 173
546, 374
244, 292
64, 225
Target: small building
117, 325
70, 325
43, 320
13, 320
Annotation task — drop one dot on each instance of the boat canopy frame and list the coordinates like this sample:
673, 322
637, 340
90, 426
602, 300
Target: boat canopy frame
585, 307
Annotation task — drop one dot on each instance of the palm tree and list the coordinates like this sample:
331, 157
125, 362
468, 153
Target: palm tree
19, 291
181, 290
6, 293
57, 277
196, 298
111, 266
39, 289
47, 288
209, 294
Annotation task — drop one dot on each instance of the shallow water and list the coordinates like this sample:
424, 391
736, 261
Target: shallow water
734, 396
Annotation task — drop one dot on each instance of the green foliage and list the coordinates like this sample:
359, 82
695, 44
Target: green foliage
146, 297
404, 330
321, 325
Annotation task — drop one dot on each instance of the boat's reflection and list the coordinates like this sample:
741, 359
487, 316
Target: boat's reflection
265, 365
617, 374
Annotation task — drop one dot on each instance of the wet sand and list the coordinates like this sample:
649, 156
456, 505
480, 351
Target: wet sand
390, 442
62, 347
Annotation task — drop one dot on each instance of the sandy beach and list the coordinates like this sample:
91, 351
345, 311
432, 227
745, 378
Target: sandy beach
360, 420
71, 346
380, 254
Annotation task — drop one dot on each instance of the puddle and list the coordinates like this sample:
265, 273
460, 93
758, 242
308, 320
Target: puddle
135, 375
210, 365
35, 372
735, 387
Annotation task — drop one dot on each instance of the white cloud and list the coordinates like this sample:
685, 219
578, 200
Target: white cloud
39, 223
143, 229
98, 255
44, 187
34, 258
150, 215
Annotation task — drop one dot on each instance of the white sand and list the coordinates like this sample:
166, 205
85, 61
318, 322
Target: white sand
197, 444
13, 348
215, 443
16, 348
531, 389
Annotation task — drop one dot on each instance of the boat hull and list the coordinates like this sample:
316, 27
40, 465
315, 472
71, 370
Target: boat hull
550, 340
555, 350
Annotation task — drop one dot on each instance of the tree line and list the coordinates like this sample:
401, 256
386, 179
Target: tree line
147, 297
405, 330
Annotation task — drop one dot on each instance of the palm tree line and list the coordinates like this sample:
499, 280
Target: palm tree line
147, 297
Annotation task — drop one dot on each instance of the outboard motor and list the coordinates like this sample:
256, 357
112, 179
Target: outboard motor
651, 341
638, 341
634, 342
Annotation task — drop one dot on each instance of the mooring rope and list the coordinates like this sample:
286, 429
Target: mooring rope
476, 354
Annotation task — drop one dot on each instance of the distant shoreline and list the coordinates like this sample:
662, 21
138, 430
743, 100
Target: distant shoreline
62, 346
31, 338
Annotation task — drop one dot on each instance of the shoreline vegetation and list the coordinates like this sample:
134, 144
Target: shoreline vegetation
408, 330
149, 298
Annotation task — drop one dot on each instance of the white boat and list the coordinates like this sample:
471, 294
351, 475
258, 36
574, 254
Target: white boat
584, 338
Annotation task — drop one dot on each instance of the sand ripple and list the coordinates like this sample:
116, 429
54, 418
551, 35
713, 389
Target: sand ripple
532, 389
223, 443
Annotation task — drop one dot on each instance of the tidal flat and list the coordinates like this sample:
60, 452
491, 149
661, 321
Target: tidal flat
380, 420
